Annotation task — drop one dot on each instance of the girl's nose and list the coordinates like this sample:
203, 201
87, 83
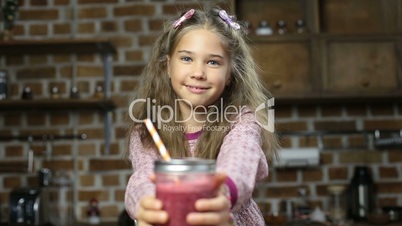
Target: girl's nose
198, 72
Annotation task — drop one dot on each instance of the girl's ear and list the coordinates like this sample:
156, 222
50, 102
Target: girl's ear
228, 80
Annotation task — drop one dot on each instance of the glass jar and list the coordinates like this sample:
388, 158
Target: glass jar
180, 183
337, 205
61, 199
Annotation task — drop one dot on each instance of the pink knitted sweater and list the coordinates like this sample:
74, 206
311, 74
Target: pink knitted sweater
240, 157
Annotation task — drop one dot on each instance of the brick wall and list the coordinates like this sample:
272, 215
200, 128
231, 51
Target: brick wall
132, 25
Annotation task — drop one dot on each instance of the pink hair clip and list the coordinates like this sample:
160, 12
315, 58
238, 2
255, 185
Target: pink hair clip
186, 16
228, 20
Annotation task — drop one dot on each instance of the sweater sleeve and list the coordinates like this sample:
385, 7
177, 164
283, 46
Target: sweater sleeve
242, 158
139, 184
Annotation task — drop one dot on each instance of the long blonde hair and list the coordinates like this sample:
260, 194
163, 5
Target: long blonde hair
245, 89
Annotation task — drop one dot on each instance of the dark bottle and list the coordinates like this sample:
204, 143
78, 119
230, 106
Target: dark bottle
361, 192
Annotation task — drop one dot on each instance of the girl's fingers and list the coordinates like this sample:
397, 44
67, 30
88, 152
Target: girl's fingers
152, 216
208, 218
150, 211
215, 204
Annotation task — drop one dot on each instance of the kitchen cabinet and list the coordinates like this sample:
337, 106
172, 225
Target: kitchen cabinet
65, 46
350, 48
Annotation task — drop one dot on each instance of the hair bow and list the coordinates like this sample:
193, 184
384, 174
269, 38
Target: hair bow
186, 16
228, 20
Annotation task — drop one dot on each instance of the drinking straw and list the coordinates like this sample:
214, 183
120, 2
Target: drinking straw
155, 136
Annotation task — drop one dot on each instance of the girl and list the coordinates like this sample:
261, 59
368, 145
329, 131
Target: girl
202, 90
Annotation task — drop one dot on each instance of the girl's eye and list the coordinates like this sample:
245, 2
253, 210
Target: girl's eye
186, 59
213, 62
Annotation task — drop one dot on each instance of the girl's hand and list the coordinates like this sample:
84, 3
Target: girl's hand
150, 212
215, 211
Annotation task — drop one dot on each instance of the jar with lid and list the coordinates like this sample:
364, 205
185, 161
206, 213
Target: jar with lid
263, 28
337, 204
61, 199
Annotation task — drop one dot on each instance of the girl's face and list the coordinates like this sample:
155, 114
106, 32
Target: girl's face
199, 69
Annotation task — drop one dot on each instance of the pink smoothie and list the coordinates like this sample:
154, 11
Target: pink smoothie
179, 197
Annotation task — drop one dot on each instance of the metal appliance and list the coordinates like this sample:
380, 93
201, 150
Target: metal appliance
27, 206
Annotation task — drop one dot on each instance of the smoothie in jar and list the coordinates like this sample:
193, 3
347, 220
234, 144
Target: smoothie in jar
180, 183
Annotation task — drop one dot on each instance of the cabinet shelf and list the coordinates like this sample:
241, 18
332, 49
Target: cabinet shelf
57, 104
101, 46
56, 46
345, 53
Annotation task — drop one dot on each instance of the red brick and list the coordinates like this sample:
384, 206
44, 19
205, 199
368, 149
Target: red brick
83, 2
110, 180
59, 164
385, 124
100, 195
338, 173
14, 151
332, 142
89, 71
14, 60
86, 28
283, 191
147, 40
92, 12
128, 70
12, 119
381, 109
106, 165
12, 182
59, 118
109, 211
85, 149
395, 156
308, 141
61, 2
286, 175
291, 126
283, 112
388, 172
156, 25
119, 195
135, 10
87, 180
134, 55
61, 28
38, 2
331, 110
38, 14
37, 73
109, 26
389, 188
133, 25
175, 9
326, 157
62, 150
36, 119
38, 29
312, 175
38, 59
335, 125
356, 109
360, 157
307, 111
95, 133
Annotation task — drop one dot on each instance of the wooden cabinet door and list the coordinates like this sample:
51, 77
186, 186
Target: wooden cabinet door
285, 67
362, 68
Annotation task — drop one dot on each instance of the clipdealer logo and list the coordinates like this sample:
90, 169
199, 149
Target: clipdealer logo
213, 113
